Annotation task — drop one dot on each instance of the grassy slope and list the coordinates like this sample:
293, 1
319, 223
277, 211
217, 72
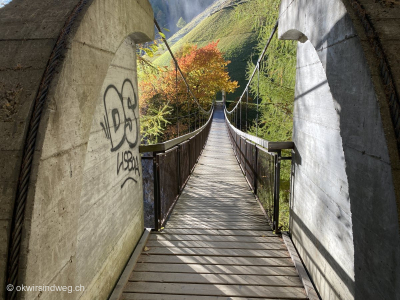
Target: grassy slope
237, 40
168, 12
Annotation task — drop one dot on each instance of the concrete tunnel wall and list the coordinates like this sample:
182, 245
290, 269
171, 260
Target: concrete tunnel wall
84, 211
344, 219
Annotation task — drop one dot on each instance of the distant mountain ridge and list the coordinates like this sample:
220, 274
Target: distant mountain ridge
219, 21
168, 12
210, 10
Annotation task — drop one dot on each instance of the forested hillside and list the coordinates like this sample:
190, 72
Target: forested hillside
237, 37
276, 88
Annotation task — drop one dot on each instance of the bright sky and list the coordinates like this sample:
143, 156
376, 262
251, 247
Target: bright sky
4, 2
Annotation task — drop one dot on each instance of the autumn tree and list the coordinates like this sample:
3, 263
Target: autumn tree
205, 70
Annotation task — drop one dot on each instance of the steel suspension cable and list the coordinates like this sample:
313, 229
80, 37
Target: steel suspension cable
257, 67
179, 69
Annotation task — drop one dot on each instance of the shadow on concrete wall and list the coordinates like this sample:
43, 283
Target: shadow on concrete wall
321, 217
340, 272
371, 193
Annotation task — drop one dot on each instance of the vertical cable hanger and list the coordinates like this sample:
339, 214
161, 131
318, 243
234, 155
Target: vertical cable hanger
233, 112
179, 69
258, 95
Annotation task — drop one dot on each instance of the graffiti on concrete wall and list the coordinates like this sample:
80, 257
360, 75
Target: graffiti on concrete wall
121, 127
129, 163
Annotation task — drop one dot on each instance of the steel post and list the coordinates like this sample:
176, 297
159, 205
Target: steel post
276, 191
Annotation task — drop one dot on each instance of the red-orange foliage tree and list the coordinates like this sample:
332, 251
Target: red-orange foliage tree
206, 72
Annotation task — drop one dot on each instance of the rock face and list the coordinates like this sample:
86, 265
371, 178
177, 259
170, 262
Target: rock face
343, 206
84, 209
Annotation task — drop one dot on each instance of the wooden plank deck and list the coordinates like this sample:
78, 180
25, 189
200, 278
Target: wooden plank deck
217, 243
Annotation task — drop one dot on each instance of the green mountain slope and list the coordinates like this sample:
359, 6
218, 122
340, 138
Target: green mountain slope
236, 39
169, 12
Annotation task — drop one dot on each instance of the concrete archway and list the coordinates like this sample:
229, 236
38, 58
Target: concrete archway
74, 234
343, 208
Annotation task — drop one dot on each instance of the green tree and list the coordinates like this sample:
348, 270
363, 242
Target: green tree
276, 88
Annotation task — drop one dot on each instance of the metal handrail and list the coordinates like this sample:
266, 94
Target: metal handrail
257, 67
171, 164
243, 145
233, 111
269, 146
160, 147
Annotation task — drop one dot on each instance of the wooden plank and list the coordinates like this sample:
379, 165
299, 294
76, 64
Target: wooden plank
198, 182
207, 164
203, 194
303, 275
226, 193
214, 238
217, 203
225, 226
218, 213
219, 190
240, 185
217, 260
222, 180
200, 175
217, 252
255, 280
202, 201
119, 288
216, 290
218, 206
200, 204
232, 210
137, 296
278, 245
216, 199
216, 269
215, 219
215, 213
227, 207
217, 224
232, 218
208, 169
218, 232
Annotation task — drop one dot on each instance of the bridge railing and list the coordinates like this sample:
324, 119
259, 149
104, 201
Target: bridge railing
166, 169
260, 161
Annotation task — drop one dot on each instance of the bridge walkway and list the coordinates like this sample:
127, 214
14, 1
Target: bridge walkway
217, 243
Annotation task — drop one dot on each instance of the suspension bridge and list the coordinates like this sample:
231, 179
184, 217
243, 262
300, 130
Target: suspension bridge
83, 204
217, 241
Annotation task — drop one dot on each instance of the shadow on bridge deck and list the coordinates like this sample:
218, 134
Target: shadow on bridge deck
217, 243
